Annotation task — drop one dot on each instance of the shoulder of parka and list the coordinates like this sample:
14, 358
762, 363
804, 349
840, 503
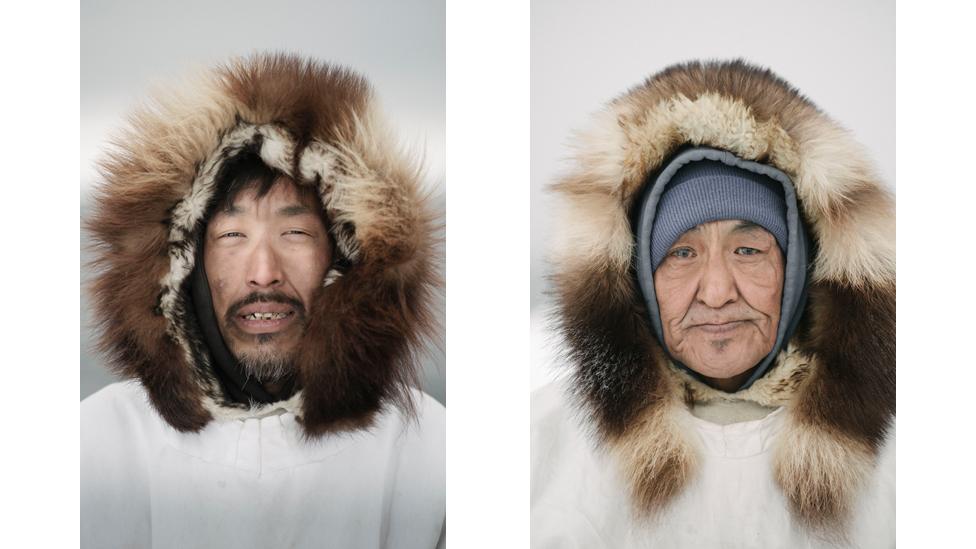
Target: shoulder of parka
836, 375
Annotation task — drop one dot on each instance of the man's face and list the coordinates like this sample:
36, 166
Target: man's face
719, 290
265, 258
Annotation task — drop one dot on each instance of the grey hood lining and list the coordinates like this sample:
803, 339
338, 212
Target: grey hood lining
796, 277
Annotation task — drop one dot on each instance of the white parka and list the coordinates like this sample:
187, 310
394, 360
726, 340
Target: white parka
631, 450
355, 457
256, 482
580, 500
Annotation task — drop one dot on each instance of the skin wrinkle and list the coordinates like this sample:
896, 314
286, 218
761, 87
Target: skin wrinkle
836, 375
273, 249
152, 166
719, 290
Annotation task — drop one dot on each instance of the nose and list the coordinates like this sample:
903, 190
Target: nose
264, 267
717, 287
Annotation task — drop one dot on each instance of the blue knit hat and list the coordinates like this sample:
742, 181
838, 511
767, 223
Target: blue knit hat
703, 184
709, 190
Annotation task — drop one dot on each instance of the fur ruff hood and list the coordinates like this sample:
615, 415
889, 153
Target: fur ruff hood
836, 376
320, 125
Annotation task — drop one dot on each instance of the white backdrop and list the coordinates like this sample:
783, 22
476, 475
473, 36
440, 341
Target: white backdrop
840, 54
39, 46
127, 48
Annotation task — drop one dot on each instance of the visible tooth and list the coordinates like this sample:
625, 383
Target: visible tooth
266, 316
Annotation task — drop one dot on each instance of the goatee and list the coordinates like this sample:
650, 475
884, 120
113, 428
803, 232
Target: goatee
267, 364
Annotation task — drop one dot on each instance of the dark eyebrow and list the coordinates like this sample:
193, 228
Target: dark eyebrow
294, 210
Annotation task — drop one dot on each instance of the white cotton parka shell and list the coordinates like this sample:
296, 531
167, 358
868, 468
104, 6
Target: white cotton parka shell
621, 453
355, 456
580, 500
257, 482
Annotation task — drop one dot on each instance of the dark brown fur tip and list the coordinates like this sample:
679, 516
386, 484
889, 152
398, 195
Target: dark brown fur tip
839, 374
616, 373
853, 334
318, 123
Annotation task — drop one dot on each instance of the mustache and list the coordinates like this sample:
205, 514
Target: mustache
270, 297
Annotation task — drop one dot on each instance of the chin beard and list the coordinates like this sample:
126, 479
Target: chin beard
266, 364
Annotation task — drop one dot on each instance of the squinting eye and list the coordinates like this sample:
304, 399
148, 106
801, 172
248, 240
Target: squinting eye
296, 231
744, 250
231, 234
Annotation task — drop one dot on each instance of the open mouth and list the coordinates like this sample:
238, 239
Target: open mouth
265, 322
265, 317
266, 314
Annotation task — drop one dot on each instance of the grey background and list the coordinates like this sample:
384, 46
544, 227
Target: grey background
127, 48
583, 53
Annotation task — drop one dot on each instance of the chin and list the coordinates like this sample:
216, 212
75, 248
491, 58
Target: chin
267, 363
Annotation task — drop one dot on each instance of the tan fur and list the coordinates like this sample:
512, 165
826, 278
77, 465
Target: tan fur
774, 389
658, 458
821, 474
319, 124
633, 138
753, 114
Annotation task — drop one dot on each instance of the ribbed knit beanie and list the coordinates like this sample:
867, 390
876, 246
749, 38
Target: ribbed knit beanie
709, 190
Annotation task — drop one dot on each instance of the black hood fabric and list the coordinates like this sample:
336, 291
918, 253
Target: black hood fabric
322, 126
797, 253
241, 387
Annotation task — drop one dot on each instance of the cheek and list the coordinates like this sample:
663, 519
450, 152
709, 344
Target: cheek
308, 273
218, 292
220, 269
762, 287
219, 288
674, 298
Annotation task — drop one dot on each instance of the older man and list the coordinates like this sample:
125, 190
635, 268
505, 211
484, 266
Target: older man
263, 279
725, 293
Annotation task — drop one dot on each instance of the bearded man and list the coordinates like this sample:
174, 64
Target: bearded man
264, 274
725, 294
